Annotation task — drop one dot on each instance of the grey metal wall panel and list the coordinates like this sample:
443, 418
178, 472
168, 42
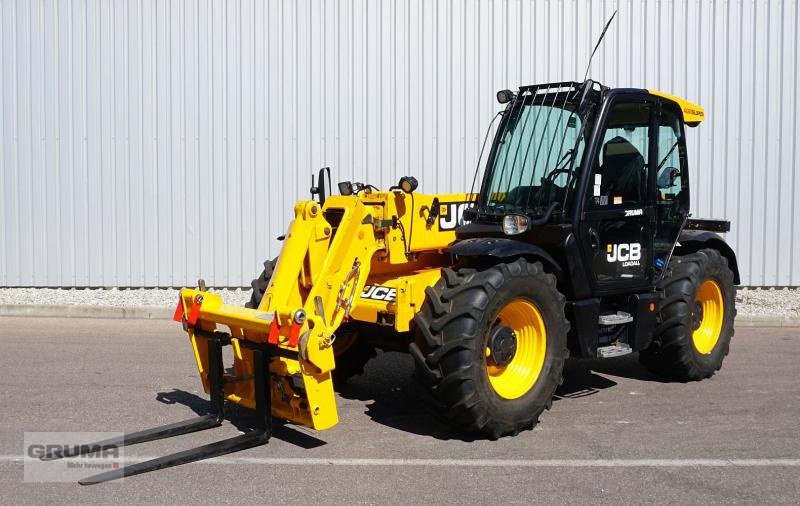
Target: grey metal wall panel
146, 143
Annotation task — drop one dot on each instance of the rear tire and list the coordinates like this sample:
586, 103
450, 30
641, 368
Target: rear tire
695, 318
455, 358
351, 354
260, 284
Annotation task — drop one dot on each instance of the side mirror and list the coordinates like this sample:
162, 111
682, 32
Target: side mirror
320, 190
667, 177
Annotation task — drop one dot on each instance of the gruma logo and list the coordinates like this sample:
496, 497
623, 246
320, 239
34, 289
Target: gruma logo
54, 456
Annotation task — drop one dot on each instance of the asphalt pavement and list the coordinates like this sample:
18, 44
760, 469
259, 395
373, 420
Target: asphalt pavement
615, 434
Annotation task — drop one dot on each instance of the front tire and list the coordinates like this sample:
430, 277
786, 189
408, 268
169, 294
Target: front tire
491, 344
695, 318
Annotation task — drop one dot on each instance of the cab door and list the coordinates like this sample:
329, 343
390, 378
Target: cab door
671, 185
618, 213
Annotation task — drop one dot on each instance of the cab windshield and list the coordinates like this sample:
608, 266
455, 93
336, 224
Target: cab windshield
536, 149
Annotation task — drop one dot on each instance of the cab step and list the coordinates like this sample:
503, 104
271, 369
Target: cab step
614, 350
618, 318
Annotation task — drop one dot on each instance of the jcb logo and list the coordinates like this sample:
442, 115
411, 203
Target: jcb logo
624, 252
451, 215
377, 292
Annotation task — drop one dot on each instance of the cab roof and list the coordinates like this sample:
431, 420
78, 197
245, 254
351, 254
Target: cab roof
693, 114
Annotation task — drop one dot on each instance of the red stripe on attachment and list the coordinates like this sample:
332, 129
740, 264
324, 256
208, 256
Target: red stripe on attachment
195, 312
178, 315
274, 330
294, 334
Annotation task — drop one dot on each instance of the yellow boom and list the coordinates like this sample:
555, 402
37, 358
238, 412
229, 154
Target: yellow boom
389, 242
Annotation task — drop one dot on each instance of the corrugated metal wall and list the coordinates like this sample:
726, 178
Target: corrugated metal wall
145, 143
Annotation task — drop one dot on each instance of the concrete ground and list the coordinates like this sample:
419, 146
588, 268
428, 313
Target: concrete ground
616, 434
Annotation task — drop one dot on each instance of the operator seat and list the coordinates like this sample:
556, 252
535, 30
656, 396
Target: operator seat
622, 171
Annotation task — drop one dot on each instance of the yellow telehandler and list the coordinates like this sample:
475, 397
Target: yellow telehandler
578, 241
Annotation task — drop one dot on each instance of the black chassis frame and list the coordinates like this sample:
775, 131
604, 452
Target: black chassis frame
556, 244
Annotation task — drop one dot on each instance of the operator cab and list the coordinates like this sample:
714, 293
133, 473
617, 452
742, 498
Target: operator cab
635, 194
596, 178
593, 183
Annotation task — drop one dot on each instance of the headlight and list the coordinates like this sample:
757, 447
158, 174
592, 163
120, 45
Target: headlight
408, 184
514, 224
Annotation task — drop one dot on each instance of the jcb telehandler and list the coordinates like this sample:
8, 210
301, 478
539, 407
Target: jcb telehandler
578, 242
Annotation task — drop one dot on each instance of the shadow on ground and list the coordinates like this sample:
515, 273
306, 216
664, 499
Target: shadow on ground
394, 399
398, 401
581, 376
243, 419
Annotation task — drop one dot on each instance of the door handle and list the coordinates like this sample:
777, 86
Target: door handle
594, 239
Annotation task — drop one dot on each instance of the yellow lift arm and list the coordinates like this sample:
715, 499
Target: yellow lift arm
328, 256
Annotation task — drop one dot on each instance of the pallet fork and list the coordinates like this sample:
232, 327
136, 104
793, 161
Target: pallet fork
255, 437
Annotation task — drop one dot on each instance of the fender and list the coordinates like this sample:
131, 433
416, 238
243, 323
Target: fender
690, 241
501, 248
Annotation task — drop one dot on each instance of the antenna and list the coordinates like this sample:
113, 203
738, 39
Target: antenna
598, 44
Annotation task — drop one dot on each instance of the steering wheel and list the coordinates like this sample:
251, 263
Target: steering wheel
550, 178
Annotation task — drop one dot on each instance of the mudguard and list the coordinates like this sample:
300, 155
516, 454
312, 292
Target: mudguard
690, 241
501, 248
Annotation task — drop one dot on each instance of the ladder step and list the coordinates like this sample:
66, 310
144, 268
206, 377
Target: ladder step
614, 350
617, 318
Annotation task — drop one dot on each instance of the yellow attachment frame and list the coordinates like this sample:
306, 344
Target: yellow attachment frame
389, 239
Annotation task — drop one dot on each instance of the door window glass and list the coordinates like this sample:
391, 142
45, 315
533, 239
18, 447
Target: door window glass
668, 180
671, 182
619, 177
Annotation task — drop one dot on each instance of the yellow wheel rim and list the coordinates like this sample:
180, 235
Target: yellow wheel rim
707, 316
517, 377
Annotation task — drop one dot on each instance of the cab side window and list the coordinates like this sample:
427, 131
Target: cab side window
620, 174
672, 200
669, 179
